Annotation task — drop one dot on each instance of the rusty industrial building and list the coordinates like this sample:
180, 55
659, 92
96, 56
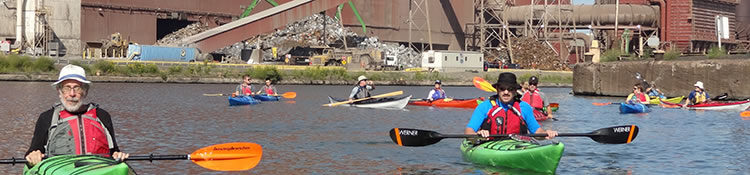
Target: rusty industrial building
486, 25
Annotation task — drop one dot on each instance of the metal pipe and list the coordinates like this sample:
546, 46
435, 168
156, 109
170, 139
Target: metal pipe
19, 23
645, 15
662, 19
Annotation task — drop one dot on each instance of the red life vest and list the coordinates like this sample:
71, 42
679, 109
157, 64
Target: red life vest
534, 99
501, 121
78, 134
246, 89
641, 97
269, 89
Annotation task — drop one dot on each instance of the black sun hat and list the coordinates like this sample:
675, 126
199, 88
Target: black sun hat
507, 80
533, 80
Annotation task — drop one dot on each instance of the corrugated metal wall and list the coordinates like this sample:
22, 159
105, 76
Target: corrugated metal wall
136, 19
743, 20
704, 22
385, 19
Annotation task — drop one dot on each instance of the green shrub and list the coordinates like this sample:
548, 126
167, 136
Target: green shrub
671, 54
611, 55
174, 70
85, 67
105, 66
264, 72
43, 64
716, 52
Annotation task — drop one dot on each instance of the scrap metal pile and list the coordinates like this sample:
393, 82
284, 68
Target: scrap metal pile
317, 30
532, 54
174, 38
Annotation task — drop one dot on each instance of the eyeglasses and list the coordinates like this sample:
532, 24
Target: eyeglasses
67, 89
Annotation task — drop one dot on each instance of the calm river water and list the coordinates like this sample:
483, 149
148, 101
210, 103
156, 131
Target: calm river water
300, 136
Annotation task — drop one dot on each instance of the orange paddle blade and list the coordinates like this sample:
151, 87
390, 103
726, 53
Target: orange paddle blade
289, 95
745, 114
236, 156
600, 104
483, 84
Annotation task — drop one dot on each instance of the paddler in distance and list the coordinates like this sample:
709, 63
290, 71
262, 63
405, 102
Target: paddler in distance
268, 89
244, 89
698, 95
72, 127
536, 98
505, 113
436, 93
637, 96
363, 88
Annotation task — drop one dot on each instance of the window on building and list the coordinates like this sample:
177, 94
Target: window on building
431, 59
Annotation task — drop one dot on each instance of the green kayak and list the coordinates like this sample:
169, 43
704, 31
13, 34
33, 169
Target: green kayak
79, 164
514, 154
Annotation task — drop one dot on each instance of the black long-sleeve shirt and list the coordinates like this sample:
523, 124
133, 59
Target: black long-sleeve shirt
41, 131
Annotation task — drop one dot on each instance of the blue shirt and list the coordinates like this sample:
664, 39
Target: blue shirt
480, 114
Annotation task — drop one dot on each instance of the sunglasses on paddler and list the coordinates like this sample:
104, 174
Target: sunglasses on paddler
502, 87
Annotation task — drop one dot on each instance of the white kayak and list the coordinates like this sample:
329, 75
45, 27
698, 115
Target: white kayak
380, 103
739, 106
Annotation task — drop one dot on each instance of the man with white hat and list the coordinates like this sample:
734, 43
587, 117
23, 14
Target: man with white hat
363, 88
72, 127
698, 95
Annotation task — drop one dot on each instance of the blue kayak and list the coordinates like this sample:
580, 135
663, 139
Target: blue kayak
242, 100
265, 97
627, 108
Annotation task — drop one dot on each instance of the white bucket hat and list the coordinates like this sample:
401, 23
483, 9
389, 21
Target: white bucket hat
361, 77
72, 72
699, 84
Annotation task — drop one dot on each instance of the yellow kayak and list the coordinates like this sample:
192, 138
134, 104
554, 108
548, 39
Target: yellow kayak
655, 100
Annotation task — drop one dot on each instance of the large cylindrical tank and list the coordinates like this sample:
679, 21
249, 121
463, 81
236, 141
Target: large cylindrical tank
162, 53
630, 14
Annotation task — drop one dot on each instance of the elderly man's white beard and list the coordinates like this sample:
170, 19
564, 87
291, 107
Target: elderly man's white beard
71, 108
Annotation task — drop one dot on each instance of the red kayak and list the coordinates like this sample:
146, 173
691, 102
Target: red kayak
455, 103
714, 105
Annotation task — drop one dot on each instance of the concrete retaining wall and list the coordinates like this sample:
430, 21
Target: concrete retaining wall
674, 78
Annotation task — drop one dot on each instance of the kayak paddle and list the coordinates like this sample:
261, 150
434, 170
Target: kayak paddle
236, 156
361, 99
483, 85
289, 95
416, 137
604, 104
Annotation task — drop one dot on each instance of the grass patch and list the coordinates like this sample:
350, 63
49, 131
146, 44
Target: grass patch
716, 52
105, 67
318, 73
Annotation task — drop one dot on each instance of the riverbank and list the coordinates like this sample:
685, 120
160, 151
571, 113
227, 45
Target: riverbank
19, 68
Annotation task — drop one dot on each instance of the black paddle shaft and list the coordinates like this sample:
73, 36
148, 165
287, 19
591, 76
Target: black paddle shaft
417, 137
151, 157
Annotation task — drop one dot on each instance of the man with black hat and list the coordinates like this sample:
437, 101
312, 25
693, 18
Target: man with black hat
535, 98
437, 93
505, 113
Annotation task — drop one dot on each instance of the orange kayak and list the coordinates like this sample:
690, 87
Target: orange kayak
455, 103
